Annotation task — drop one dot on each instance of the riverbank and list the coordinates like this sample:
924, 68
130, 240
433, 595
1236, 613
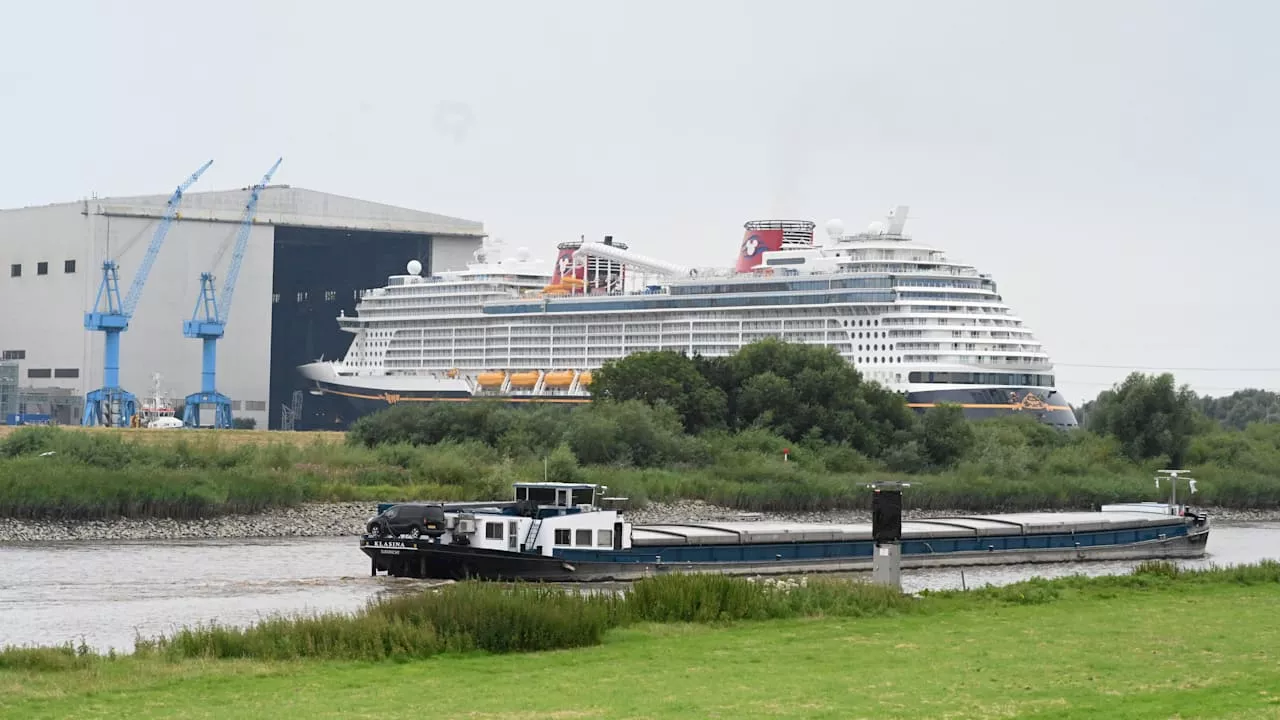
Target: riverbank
79, 484
349, 518
1076, 647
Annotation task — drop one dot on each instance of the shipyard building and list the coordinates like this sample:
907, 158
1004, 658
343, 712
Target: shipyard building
309, 256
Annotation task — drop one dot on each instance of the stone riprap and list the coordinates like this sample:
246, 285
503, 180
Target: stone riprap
339, 519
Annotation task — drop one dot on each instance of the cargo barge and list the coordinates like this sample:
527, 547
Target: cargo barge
564, 532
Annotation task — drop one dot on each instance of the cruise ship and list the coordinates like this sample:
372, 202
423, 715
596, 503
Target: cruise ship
510, 327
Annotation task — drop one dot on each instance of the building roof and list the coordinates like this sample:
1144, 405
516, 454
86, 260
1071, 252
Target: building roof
285, 205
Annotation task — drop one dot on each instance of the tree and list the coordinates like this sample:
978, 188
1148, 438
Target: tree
1242, 407
662, 377
797, 390
945, 434
1148, 415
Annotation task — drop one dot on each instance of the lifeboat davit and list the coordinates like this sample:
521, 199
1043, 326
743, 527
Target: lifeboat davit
559, 379
491, 379
524, 379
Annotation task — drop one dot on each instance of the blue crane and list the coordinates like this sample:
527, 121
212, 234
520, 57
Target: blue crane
112, 404
209, 320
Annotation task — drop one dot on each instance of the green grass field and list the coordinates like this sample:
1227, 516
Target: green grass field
1095, 649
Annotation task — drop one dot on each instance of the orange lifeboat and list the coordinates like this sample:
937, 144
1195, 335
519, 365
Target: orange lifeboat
559, 379
491, 379
584, 378
572, 281
524, 379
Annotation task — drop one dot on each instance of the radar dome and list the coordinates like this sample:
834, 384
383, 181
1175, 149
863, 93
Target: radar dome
522, 254
835, 228
414, 267
876, 228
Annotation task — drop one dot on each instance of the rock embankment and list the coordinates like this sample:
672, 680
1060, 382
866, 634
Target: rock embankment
339, 519
312, 520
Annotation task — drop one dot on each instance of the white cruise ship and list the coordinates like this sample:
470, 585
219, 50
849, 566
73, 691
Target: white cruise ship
907, 317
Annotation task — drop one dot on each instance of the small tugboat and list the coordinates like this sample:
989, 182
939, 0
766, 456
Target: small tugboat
562, 532
157, 412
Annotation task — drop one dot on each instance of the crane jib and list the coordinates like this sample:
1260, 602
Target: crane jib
111, 404
209, 319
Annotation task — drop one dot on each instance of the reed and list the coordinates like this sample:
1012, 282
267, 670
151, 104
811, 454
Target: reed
458, 618
717, 598
70, 474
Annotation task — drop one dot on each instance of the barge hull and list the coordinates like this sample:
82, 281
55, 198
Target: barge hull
424, 559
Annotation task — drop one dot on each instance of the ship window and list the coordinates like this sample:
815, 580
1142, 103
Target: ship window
604, 538
68, 266
562, 536
493, 530
39, 372
66, 373
583, 538
42, 268
14, 355
15, 270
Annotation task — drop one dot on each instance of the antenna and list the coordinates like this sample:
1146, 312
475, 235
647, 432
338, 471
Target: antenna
1173, 476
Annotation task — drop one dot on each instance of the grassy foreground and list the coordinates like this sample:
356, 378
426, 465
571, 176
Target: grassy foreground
1155, 644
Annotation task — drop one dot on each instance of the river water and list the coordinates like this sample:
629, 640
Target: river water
107, 593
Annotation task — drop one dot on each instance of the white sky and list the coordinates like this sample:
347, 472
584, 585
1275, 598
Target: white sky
1112, 164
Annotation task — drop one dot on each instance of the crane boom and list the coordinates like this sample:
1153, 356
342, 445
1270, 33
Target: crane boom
111, 404
242, 242
209, 321
148, 260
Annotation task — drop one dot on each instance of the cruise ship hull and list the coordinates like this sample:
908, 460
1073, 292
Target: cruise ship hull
361, 395
366, 394
1045, 404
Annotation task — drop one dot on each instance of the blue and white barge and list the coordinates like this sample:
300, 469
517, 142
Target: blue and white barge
564, 532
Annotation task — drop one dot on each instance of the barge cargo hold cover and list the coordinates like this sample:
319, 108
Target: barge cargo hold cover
558, 532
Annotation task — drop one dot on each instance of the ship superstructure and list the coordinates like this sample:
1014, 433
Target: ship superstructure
904, 314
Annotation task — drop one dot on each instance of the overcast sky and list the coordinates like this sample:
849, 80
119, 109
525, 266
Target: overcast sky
1112, 164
